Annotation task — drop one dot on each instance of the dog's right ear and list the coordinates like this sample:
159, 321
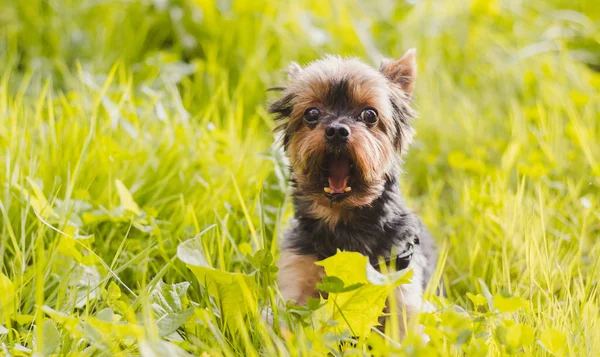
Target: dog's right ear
402, 71
293, 70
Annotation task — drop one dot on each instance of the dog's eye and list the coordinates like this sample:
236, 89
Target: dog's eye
311, 115
369, 116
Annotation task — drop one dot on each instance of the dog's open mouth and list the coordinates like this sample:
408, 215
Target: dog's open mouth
338, 175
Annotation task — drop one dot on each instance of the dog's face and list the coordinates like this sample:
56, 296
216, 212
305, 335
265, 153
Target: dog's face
345, 124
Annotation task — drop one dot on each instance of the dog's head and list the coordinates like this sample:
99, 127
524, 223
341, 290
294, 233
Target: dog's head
344, 125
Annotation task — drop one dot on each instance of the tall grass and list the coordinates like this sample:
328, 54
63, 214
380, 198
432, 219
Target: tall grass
129, 127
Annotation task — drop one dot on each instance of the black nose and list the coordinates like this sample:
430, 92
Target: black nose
337, 132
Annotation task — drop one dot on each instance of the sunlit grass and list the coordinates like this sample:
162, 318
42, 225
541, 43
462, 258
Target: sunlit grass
127, 128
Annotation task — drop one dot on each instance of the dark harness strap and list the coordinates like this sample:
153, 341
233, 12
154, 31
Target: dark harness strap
403, 259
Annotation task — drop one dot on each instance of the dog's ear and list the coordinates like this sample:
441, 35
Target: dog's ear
293, 70
402, 71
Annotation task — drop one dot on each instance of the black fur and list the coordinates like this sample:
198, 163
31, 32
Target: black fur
376, 230
282, 109
373, 231
338, 100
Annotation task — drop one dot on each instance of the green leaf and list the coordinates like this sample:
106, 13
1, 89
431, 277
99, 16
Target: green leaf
166, 298
67, 322
7, 305
168, 305
108, 315
67, 247
191, 252
477, 300
507, 304
3, 330
235, 292
333, 284
19, 347
161, 348
116, 329
38, 201
519, 335
313, 304
51, 337
245, 248
84, 281
350, 267
358, 293
170, 322
126, 198
262, 259
114, 292
553, 341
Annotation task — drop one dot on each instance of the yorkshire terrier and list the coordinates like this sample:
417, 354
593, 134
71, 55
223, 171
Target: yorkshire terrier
345, 127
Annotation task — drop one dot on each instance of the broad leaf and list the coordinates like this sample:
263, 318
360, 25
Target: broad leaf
358, 293
168, 305
170, 322
37, 200
7, 303
112, 329
84, 281
333, 284
519, 335
477, 300
507, 304
235, 292
167, 298
67, 247
553, 341
161, 348
51, 337
67, 322
126, 198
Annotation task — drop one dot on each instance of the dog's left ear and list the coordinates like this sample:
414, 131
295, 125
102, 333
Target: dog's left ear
293, 71
402, 71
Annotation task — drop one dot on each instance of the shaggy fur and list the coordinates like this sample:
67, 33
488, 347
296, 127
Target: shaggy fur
371, 218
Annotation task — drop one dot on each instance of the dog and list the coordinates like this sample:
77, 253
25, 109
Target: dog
345, 127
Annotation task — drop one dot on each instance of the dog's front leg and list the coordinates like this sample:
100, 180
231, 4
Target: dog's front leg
298, 276
409, 297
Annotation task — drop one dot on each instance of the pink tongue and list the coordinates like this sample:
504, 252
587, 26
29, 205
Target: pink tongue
339, 170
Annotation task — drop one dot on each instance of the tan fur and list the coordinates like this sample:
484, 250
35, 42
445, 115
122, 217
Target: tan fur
307, 148
330, 215
372, 149
298, 277
340, 212
311, 86
402, 71
372, 152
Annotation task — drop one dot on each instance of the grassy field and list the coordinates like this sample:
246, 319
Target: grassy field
142, 198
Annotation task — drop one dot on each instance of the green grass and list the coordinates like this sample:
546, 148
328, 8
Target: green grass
129, 127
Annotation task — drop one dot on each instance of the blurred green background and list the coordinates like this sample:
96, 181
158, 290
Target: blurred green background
128, 127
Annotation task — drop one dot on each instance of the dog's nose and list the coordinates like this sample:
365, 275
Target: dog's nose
337, 132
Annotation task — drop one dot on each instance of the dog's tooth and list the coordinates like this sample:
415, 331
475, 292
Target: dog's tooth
327, 189
348, 189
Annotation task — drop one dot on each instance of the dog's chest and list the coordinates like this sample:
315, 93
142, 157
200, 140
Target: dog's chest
370, 240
